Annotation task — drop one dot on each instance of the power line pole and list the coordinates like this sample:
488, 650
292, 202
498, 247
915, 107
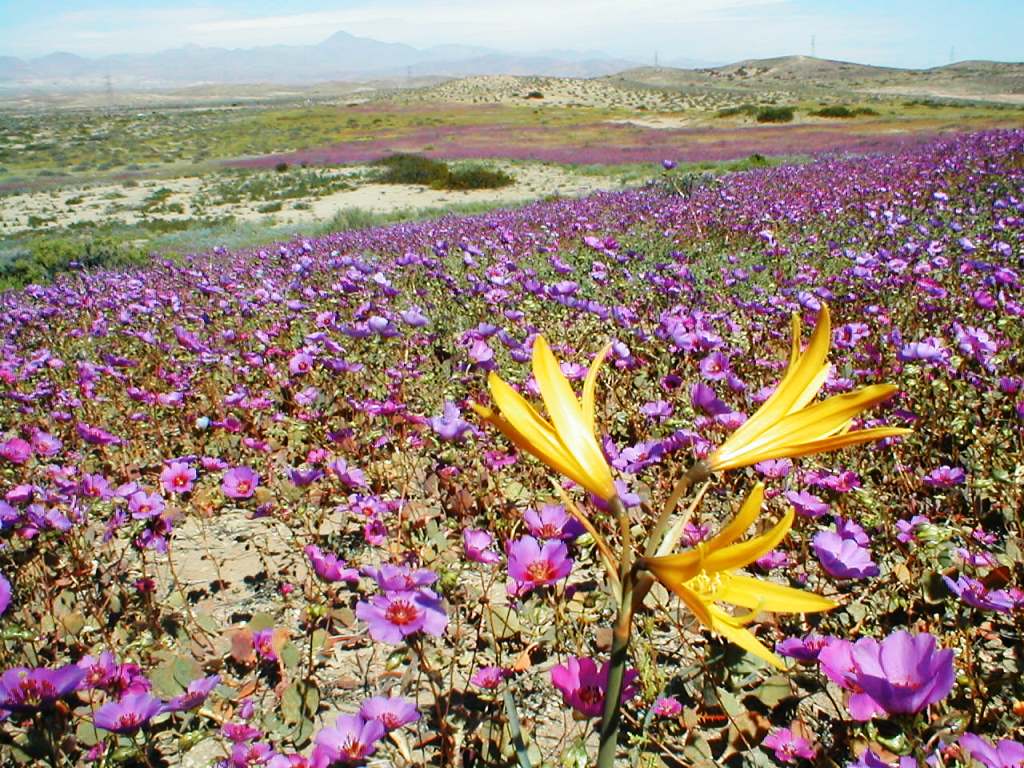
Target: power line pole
812, 47
952, 54
655, 59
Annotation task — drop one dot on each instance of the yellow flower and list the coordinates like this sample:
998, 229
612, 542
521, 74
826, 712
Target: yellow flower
786, 426
566, 443
706, 575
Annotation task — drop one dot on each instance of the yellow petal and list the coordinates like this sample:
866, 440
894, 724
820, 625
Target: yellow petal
836, 442
744, 518
692, 601
795, 383
738, 555
566, 415
679, 568
794, 345
533, 428
819, 420
725, 626
587, 404
761, 595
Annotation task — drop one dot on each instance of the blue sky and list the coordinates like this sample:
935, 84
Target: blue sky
910, 33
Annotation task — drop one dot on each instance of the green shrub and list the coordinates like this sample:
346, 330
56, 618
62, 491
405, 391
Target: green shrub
836, 110
477, 177
48, 257
416, 169
775, 115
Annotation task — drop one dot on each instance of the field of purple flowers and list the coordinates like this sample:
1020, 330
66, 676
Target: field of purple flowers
256, 511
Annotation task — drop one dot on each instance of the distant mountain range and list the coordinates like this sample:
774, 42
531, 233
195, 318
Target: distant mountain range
341, 57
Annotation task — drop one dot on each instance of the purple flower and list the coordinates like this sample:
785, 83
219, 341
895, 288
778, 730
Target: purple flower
657, 410
904, 673
489, 678
392, 711
667, 706
704, 399
329, 566
803, 648
945, 477
23, 689
16, 450
1004, 754
907, 528
551, 521
194, 695
836, 661
239, 483
975, 593
843, 558
399, 578
531, 565
806, 504
668, 165
450, 425
583, 687
5, 594
787, 746
300, 363
95, 435
396, 615
477, 546
715, 366
129, 714
177, 477
349, 476
144, 505
349, 742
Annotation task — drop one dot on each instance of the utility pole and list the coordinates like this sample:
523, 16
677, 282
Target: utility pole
952, 54
655, 59
812, 47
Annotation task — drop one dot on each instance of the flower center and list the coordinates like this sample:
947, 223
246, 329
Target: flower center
352, 749
401, 612
390, 720
550, 531
243, 486
540, 571
591, 694
129, 720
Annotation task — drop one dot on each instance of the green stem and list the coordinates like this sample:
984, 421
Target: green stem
695, 474
612, 716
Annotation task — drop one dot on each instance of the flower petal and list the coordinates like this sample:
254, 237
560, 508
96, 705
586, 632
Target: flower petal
587, 403
738, 555
726, 626
744, 518
762, 595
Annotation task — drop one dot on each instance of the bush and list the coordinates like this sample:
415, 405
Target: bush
415, 169
47, 258
775, 115
535, 95
477, 177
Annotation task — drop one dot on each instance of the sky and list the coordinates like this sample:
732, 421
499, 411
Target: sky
904, 33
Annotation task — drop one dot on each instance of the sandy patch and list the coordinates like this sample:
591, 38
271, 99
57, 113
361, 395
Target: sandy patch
177, 199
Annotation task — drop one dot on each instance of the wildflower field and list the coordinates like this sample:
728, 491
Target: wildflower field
712, 472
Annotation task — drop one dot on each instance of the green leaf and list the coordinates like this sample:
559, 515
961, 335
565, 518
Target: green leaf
300, 701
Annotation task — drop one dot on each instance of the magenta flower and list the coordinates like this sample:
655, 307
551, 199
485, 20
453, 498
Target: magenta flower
239, 483
351, 477
23, 689
300, 363
329, 566
667, 706
5, 594
392, 711
804, 648
945, 477
489, 678
399, 578
476, 544
583, 686
144, 505
1003, 754
129, 714
194, 695
16, 450
349, 742
177, 477
396, 615
551, 521
904, 673
531, 565
788, 747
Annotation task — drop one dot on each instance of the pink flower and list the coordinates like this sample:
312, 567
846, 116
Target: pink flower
477, 546
531, 565
488, 678
239, 483
177, 477
667, 706
583, 686
788, 746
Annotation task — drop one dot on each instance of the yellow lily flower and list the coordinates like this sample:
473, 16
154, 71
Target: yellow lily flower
566, 443
785, 426
707, 574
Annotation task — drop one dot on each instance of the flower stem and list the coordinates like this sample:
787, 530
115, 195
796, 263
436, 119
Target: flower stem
611, 718
695, 474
